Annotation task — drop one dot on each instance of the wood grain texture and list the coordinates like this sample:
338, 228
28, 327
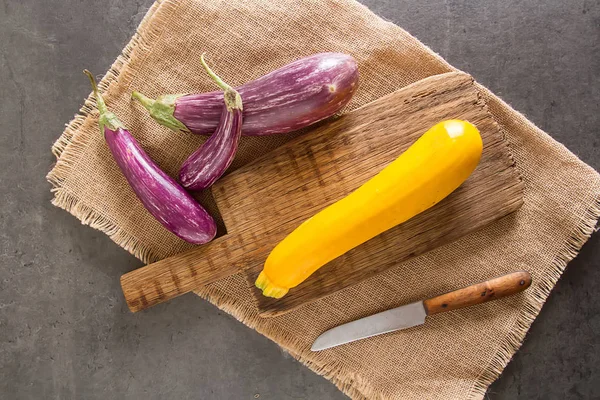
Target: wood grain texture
265, 200
479, 293
163, 280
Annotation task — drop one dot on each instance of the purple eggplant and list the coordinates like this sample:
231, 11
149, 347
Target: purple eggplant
292, 97
210, 161
162, 196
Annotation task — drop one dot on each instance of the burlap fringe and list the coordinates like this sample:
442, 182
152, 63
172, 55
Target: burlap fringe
138, 42
541, 291
346, 380
88, 216
68, 151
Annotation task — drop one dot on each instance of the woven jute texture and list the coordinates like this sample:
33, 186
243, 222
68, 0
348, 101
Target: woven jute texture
454, 355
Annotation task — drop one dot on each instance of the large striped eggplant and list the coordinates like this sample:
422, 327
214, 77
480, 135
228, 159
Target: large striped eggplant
292, 97
162, 196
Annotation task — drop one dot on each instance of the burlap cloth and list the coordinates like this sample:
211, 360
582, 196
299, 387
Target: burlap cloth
456, 354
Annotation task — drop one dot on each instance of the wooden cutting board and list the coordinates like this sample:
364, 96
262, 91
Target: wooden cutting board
265, 200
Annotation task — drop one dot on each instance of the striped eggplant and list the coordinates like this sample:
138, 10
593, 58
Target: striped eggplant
162, 196
292, 97
210, 161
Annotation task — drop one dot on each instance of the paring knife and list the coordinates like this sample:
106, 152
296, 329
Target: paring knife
414, 314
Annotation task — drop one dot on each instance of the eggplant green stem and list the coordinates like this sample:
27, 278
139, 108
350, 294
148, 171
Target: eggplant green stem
232, 98
162, 109
214, 76
99, 100
147, 102
106, 118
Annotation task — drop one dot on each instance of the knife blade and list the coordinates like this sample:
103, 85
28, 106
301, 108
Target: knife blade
414, 314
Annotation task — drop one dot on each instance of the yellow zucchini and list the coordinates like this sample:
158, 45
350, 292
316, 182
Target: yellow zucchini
429, 170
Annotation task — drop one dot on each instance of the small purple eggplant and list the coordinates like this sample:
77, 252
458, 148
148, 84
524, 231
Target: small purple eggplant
162, 196
292, 97
210, 161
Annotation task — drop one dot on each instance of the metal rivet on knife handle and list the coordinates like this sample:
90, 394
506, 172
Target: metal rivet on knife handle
479, 293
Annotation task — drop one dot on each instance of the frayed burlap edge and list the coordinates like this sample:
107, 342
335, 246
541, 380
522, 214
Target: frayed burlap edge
88, 216
145, 34
346, 380
580, 235
540, 294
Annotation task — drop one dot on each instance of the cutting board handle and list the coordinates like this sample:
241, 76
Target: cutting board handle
479, 293
163, 280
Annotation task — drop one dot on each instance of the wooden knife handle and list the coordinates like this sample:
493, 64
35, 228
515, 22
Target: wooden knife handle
166, 279
479, 293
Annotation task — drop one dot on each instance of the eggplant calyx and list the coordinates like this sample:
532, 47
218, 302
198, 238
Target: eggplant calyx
106, 118
233, 100
162, 109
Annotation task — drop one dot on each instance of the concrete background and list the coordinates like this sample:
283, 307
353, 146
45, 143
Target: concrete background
65, 332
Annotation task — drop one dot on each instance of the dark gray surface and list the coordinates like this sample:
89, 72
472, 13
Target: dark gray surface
65, 331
